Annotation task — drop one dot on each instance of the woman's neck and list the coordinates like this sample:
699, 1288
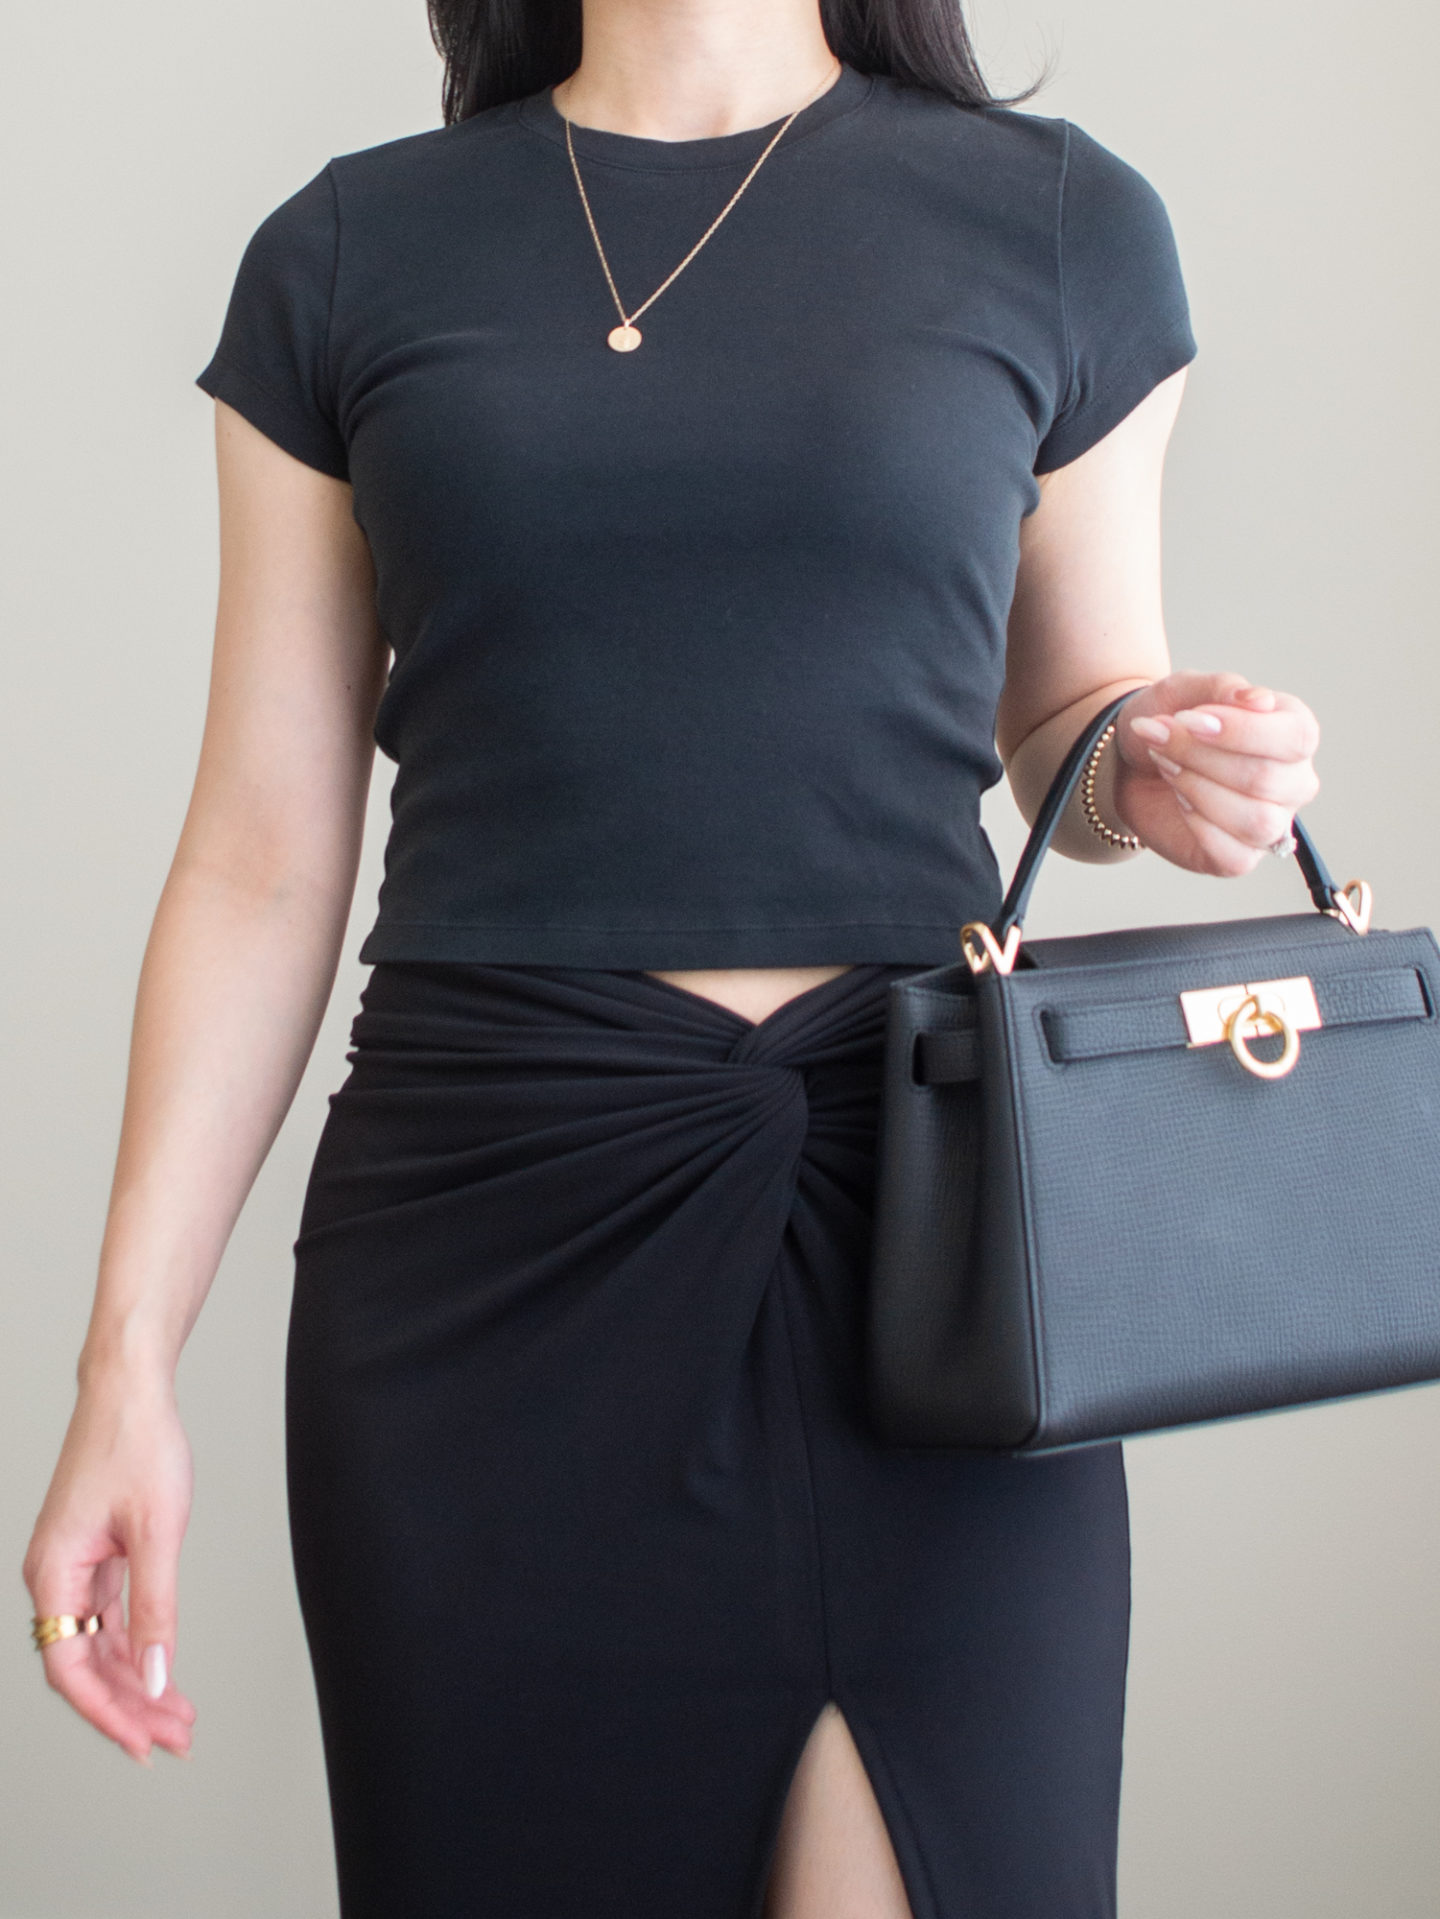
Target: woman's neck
695, 69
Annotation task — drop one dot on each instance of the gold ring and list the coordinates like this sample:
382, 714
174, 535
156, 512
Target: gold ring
1277, 1022
62, 1625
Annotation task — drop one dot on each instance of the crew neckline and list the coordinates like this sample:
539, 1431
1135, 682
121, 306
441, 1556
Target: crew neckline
847, 92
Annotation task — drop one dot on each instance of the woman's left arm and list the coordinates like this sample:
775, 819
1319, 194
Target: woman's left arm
1207, 769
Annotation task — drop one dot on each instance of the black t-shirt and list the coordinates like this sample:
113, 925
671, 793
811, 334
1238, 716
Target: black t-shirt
697, 648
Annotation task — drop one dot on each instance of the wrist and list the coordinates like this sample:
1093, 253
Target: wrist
1123, 783
1099, 799
133, 1357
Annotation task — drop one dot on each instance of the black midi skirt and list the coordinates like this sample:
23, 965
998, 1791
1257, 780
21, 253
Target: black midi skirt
588, 1521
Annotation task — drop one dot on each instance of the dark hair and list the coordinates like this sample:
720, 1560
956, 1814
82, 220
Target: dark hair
499, 50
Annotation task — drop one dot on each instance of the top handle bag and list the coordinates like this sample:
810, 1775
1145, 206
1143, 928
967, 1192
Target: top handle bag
1158, 1176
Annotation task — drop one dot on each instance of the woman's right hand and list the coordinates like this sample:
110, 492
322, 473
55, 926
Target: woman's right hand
119, 1496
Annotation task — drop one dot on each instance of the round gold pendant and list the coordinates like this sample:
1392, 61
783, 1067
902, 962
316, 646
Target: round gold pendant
624, 339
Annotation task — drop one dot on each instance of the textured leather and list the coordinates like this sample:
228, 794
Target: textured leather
1087, 1229
943, 1058
1140, 1025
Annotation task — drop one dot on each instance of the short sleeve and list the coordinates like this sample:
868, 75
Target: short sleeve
1124, 309
272, 361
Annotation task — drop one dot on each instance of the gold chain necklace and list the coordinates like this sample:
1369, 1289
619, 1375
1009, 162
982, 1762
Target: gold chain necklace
627, 336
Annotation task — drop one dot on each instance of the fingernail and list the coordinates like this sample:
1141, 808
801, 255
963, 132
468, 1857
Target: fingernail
1166, 766
1253, 695
1151, 729
1198, 722
1181, 801
152, 1668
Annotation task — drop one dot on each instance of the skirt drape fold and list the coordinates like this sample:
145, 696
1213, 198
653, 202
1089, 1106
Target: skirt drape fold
587, 1517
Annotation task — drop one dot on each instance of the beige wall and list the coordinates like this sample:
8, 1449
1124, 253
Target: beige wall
1284, 1729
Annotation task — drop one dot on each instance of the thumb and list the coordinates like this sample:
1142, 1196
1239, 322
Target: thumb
153, 1552
1189, 688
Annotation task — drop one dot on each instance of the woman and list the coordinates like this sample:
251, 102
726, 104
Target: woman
747, 435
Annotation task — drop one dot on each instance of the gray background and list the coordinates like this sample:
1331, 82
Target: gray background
1283, 1739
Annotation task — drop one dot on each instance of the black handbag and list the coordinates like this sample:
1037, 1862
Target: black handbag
1154, 1177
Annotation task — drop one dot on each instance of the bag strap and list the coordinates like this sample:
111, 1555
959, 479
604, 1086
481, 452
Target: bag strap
1323, 890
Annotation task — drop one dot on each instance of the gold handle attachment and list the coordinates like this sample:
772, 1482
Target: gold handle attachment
989, 952
1355, 912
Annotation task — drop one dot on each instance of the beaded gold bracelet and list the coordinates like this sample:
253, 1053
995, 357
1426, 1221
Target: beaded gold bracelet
1131, 841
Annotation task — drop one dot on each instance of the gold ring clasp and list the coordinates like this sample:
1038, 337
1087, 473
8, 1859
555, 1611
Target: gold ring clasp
1248, 1009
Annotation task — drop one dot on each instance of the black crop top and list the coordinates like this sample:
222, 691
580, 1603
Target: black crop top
697, 648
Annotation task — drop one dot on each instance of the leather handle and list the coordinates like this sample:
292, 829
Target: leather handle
1012, 910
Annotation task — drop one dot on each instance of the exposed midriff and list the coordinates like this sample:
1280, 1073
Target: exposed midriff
754, 992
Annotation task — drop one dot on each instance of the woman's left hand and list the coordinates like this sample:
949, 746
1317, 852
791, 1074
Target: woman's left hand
1212, 770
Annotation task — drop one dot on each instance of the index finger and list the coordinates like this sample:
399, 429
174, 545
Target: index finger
72, 1582
73, 1672
1289, 732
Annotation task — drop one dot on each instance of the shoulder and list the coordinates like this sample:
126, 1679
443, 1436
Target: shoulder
1100, 183
932, 128
997, 171
427, 177
1011, 153
419, 162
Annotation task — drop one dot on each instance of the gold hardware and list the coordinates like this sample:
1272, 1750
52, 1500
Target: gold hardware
1002, 958
1275, 1022
45, 1631
627, 336
1208, 1009
1355, 913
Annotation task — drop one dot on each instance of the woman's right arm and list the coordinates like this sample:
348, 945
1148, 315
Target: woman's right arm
235, 979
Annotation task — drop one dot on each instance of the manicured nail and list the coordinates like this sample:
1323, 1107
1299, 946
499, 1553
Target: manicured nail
1155, 730
1181, 801
152, 1668
1198, 722
1166, 766
1255, 696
